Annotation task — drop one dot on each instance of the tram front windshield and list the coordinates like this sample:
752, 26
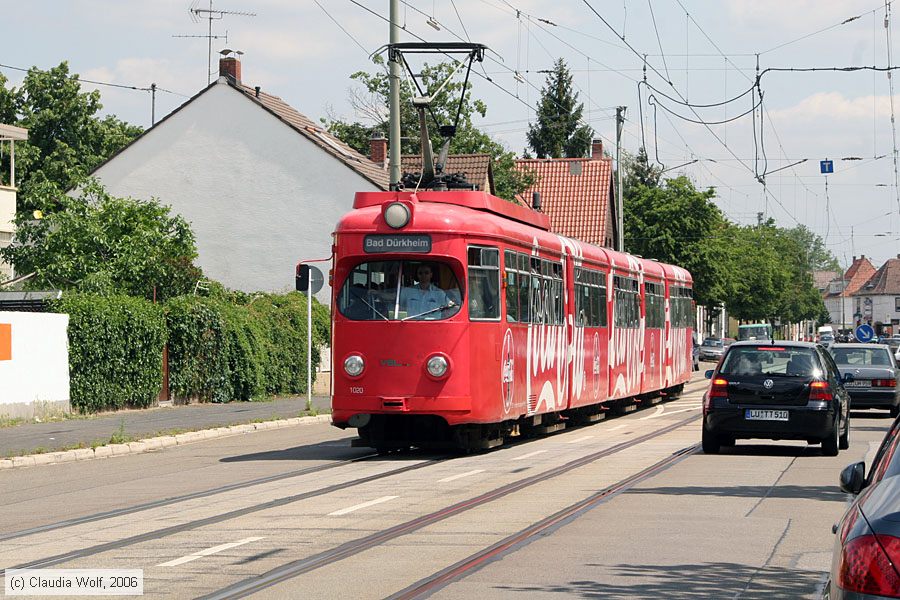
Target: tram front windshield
399, 290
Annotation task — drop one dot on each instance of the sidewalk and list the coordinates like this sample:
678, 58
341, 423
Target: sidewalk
33, 438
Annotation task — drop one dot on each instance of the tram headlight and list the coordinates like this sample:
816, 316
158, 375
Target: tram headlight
396, 215
437, 366
354, 365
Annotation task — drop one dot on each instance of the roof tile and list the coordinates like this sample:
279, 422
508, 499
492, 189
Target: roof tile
575, 194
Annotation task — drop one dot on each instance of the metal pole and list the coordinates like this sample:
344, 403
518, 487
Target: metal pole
620, 121
394, 79
152, 104
209, 47
308, 350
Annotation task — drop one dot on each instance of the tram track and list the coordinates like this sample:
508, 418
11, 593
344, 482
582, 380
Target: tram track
327, 556
431, 584
349, 549
233, 514
182, 498
225, 488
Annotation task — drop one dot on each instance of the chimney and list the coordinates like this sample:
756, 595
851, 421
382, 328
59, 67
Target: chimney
854, 259
378, 148
597, 148
230, 67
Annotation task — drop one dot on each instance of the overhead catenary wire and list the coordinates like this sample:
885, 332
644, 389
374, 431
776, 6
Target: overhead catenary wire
342, 28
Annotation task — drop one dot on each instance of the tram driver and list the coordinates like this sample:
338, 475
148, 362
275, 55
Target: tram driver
424, 299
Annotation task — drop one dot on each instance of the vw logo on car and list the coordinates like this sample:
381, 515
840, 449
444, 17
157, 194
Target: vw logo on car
768, 383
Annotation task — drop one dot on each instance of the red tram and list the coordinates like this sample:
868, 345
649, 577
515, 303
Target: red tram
459, 319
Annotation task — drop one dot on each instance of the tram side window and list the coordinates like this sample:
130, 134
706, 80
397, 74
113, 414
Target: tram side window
512, 287
484, 283
655, 307
590, 298
681, 307
626, 302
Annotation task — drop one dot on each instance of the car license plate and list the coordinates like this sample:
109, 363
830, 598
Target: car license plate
858, 383
766, 415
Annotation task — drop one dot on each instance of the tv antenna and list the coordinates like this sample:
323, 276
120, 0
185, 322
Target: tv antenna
210, 15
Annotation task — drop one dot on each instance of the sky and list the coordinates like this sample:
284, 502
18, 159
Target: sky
698, 55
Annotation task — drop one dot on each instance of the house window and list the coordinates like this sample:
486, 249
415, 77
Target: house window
897, 304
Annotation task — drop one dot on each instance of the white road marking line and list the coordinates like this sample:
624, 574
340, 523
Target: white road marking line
350, 509
659, 411
460, 476
207, 552
529, 455
617, 427
672, 412
582, 439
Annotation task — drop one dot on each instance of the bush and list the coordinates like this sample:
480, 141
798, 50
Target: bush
115, 351
241, 347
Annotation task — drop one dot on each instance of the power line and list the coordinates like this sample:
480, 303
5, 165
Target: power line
106, 83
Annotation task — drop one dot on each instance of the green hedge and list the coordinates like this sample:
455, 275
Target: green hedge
115, 351
240, 347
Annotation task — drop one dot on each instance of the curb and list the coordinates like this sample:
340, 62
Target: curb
153, 444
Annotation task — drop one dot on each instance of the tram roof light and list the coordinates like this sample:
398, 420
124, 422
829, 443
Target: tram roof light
397, 215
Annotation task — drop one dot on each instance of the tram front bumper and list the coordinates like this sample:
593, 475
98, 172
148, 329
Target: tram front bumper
455, 410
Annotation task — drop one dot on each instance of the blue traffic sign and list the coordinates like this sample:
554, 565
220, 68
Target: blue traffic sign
826, 166
864, 333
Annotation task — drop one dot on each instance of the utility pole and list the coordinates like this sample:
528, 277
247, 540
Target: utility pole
620, 121
394, 79
152, 104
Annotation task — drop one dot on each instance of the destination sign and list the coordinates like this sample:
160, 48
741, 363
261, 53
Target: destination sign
378, 243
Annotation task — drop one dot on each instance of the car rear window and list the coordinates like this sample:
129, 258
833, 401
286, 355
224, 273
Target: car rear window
712, 343
771, 360
863, 357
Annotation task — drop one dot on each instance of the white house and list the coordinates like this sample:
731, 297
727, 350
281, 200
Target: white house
261, 184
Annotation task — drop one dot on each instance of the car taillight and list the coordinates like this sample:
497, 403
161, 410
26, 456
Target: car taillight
718, 388
889, 383
819, 390
868, 565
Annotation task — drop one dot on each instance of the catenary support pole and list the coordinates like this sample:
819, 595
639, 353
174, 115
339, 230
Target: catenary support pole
620, 120
394, 80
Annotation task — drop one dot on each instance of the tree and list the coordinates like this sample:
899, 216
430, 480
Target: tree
67, 138
102, 244
677, 224
371, 104
638, 171
817, 257
557, 133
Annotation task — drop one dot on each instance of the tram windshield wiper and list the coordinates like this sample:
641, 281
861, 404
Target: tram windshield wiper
375, 310
450, 304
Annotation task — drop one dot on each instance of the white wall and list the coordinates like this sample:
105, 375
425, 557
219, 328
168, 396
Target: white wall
36, 381
259, 196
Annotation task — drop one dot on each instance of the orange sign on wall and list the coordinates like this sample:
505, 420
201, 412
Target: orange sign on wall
5, 341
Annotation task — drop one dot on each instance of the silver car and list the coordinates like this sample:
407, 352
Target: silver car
874, 375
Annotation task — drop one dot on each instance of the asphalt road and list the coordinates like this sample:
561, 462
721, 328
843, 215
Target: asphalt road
751, 522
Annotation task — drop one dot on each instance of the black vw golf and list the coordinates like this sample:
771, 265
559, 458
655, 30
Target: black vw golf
778, 391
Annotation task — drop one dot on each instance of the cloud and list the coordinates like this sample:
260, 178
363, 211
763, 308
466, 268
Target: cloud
833, 108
